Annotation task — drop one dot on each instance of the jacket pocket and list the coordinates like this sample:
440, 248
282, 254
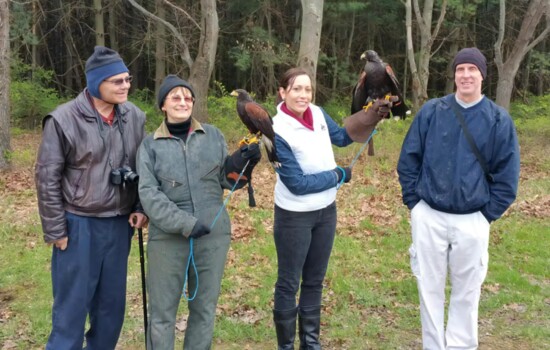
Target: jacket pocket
211, 172
74, 183
414, 261
169, 182
483, 266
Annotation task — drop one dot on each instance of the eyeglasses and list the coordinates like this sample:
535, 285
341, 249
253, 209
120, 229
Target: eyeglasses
177, 99
120, 81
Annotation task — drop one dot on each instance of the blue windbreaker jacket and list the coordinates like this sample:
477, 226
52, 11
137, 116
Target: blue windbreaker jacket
438, 165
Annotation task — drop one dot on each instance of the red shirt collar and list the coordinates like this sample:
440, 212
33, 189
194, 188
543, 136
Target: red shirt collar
110, 118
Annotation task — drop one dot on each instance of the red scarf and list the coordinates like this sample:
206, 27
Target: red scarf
306, 120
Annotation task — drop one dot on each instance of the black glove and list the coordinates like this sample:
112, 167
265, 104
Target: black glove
199, 230
341, 172
237, 161
251, 151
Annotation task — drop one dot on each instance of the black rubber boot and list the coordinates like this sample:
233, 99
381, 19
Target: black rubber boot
309, 320
285, 326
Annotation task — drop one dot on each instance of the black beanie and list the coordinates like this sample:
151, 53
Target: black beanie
474, 56
171, 81
102, 64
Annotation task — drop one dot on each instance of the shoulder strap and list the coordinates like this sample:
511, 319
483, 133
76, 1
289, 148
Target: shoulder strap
470, 140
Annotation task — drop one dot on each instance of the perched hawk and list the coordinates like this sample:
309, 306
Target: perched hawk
377, 80
258, 122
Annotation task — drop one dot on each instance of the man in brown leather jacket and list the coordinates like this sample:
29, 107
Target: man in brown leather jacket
88, 203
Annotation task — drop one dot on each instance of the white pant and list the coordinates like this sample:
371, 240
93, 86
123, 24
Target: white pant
458, 243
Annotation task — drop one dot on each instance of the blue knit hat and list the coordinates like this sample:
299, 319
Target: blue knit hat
471, 55
171, 81
102, 64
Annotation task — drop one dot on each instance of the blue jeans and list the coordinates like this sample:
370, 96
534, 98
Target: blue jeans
89, 278
304, 242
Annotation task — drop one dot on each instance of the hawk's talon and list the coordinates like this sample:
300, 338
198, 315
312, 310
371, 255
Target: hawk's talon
367, 106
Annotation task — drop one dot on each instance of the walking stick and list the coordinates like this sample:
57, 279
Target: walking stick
143, 289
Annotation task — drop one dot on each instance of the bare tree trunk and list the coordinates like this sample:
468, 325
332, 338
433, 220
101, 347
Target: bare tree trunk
35, 28
526, 74
184, 52
350, 39
455, 38
160, 49
201, 68
204, 62
524, 42
335, 63
99, 26
4, 82
410, 54
310, 39
112, 25
421, 72
73, 64
297, 14
271, 78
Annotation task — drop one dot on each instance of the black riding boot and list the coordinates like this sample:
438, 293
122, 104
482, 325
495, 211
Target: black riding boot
309, 320
285, 326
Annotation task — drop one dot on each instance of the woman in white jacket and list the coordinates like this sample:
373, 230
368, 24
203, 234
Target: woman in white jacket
305, 208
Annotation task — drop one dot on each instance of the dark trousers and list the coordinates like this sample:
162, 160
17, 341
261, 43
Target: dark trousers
89, 278
304, 243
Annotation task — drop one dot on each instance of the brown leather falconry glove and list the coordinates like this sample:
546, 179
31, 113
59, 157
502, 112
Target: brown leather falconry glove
360, 125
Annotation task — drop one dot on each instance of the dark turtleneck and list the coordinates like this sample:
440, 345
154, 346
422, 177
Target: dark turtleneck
179, 130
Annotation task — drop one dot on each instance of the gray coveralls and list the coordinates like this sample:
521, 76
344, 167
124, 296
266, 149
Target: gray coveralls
181, 182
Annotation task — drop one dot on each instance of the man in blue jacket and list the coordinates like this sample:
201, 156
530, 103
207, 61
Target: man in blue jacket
453, 201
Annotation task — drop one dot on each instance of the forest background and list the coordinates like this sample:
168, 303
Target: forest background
370, 299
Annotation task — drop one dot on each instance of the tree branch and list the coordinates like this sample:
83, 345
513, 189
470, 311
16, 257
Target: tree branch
184, 12
185, 55
498, 44
440, 19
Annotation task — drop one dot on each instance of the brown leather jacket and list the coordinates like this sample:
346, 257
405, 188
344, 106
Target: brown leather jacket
76, 156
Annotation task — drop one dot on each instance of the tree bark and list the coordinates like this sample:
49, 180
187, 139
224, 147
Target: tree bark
4, 83
421, 72
113, 25
455, 43
310, 39
201, 68
99, 26
410, 54
160, 49
201, 71
507, 69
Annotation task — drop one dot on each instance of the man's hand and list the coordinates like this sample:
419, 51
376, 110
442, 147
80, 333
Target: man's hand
61, 243
138, 220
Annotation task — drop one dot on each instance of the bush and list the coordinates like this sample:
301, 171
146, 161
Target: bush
337, 109
536, 106
222, 112
31, 97
144, 100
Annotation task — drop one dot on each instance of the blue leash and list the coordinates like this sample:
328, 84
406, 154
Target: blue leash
191, 259
374, 131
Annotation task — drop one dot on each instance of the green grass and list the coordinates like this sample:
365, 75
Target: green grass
370, 299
